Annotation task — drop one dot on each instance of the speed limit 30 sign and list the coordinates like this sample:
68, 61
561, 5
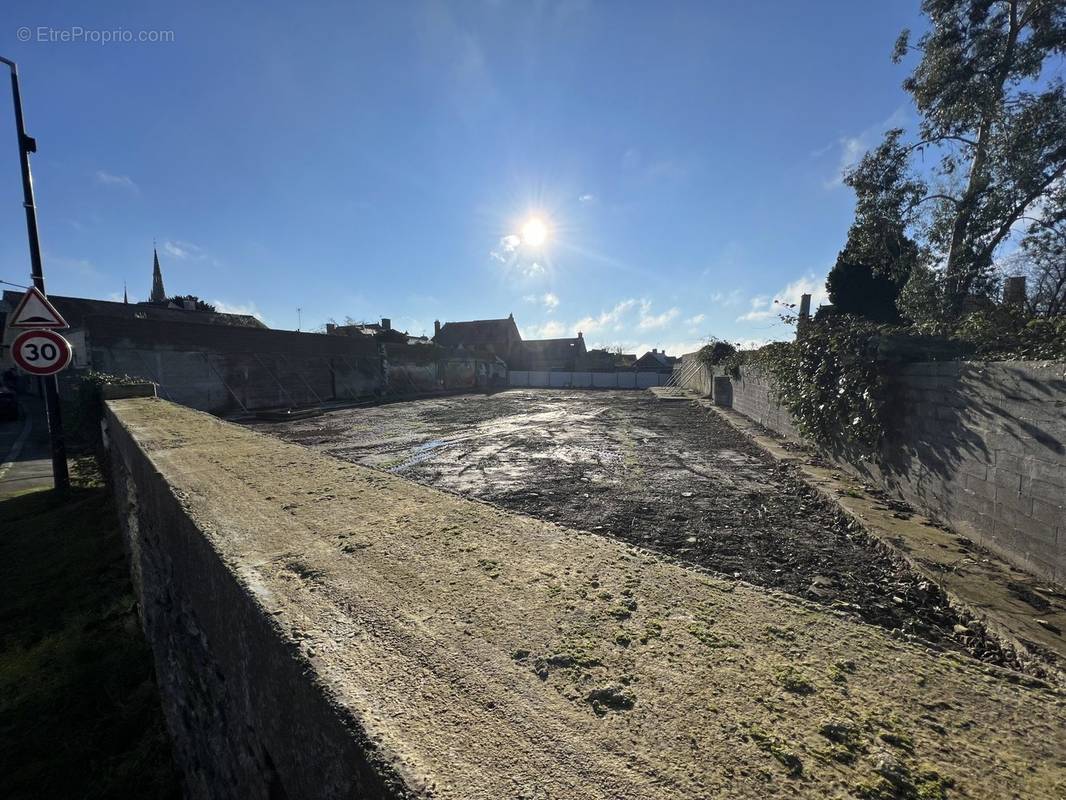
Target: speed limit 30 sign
41, 352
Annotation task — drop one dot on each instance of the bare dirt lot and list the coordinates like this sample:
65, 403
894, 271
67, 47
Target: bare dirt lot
667, 476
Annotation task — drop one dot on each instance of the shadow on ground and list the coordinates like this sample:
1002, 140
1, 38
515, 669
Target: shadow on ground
79, 709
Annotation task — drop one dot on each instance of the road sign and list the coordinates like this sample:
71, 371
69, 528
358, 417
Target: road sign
34, 311
41, 352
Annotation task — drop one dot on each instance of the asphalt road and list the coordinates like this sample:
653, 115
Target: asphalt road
26, 463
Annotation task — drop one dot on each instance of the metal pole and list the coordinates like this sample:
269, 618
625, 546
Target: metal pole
27, 145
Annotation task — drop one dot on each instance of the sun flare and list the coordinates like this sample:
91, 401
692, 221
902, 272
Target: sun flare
534, 232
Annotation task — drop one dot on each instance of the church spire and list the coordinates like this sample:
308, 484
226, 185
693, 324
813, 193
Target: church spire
125, 295
158, 294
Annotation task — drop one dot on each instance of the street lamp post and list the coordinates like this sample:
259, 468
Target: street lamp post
27, 145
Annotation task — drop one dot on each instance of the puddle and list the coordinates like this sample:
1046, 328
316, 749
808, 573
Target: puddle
421, 453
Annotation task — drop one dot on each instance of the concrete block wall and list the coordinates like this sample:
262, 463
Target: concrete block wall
983, 446
753, 396
978, 445
694, 375
558, 379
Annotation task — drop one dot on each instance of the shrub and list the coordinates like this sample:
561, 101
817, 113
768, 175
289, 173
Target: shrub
857, 289
714, 353
87, 411
828, 380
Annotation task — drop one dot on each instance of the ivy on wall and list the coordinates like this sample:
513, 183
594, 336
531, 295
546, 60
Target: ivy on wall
833, 379
829, 380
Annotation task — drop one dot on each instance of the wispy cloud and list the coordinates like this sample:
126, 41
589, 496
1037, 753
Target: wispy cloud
514, 256
249, 308
587, 199
506, 248
612, 320
650, 321
696, 320
852, 148
183, 250
458, 56
549, 300
552, 329
730, 298
105, 178
765, 307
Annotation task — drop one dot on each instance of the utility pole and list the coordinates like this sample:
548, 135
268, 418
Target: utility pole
50, 384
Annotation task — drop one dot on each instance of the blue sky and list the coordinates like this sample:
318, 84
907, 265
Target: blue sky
381, 159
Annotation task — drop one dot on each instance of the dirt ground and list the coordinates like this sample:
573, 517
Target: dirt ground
666, 476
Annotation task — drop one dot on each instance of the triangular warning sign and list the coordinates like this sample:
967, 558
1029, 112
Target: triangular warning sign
34, 311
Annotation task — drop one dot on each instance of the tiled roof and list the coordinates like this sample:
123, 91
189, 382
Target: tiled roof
478, 331
76, 309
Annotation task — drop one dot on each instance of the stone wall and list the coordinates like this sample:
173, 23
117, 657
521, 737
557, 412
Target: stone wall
240, 705
225, 369
978, 445
325, 630
229, 369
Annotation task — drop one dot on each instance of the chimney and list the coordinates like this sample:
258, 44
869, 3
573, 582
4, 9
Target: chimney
804, 314
386, 324
1014, 291
331, 327
579, 336
655, 349
436, 327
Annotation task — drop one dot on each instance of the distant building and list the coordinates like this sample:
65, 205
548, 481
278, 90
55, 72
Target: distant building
654, 359
83, 315
158, 294
502, 338
80, 311
497, 336
603, 359
568, 354
380, 331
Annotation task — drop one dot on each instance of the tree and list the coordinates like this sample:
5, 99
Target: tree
857, 289
1043, 258
198, 304
886, 196
997, 123
716, 351
879, 256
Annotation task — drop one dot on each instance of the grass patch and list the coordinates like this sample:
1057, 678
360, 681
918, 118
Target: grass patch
792, 680
79, 710
769, 744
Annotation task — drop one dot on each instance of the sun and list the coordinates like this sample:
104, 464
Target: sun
534, 232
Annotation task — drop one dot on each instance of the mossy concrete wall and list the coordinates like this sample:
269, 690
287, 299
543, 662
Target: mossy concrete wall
324, 630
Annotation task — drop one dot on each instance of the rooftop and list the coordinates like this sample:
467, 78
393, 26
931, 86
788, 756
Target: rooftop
77, 309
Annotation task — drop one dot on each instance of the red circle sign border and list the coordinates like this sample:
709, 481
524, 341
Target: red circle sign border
55, 338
